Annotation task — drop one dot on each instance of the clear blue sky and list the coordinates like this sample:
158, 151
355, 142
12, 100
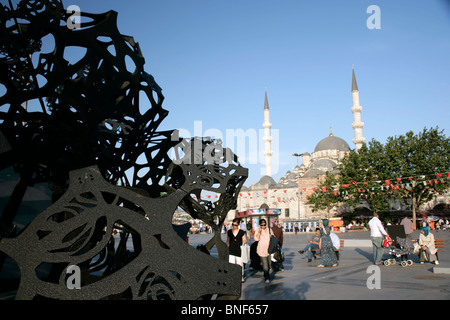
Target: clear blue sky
214, 59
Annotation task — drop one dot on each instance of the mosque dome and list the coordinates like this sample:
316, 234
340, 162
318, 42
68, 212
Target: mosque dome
291, 176
291, 184
267, 180
325, 164
264, 183
332, 143
313, 173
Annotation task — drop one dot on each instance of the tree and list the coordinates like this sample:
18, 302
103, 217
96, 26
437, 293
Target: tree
421, 159
361, 173
324, 198
410, 167
356, 184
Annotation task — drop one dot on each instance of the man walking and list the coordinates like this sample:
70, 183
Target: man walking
408, 225
376, 235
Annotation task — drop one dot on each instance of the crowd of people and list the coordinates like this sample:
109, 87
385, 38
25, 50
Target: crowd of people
237, 237
262, 256
435, 223
324, 240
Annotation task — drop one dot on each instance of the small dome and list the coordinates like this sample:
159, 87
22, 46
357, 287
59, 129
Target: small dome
326, 164
313, 173
291, 176
264, 183
266, 180
291, 184
332, 143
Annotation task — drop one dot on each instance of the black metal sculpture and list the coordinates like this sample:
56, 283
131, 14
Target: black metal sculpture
200, 169
85, 138
203, 164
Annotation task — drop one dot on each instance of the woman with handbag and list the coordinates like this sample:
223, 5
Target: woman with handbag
328, 257
263, 235
235, 239
427, 249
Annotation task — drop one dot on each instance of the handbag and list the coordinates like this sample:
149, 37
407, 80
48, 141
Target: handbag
245, 253
387, 242
273, 244
278, 256
423, 256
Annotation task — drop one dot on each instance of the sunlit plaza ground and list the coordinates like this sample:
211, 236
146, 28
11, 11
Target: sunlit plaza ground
349, 281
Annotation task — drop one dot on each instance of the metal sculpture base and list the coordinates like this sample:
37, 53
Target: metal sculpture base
78, 231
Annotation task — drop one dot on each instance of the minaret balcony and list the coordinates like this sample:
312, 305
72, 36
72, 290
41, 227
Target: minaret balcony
356, 109
358, 125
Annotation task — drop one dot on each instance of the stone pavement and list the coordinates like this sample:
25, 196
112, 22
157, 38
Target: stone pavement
301, 280
304, 281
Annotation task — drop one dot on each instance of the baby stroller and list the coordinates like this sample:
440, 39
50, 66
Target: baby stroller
400, 249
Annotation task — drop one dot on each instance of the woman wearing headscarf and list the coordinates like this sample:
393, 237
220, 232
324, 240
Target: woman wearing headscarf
426, 243
328, 257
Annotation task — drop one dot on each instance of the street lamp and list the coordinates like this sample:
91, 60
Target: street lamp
297, 155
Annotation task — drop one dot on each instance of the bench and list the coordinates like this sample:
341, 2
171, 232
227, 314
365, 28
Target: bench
314, 251
439, 245
356, 228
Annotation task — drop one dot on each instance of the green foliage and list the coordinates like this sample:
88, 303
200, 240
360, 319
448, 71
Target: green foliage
419, 156
324, 200
363, 173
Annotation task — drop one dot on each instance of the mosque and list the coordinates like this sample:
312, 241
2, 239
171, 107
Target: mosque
285, 200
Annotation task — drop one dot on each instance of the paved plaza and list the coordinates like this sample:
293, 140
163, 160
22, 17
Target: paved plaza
301, 280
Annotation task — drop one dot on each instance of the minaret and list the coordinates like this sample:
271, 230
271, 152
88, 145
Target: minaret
267, 138
356, 110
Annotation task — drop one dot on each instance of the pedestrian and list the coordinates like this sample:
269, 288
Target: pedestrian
249, 229
278, 232
235, 239
408, 225
313, 243
243, 226
327, 255
427, 248
376, 235
263, 235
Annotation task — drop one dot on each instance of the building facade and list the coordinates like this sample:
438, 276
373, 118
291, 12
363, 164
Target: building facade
288, 196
